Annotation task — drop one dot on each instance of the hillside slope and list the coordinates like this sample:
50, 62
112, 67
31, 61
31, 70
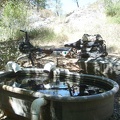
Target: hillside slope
91, 20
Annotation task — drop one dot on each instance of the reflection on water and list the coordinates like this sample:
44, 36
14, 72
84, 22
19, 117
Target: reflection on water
58, 86
56, 92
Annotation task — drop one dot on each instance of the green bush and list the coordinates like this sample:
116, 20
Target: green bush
113, 10
14, 17
43, 34
8, 52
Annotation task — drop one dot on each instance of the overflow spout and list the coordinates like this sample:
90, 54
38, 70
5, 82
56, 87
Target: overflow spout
49, 66
36, 108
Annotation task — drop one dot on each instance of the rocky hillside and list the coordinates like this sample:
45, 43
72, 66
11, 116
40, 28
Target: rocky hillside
90, 20
75, 21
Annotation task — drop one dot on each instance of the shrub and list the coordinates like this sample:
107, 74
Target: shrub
113, 10
43, 34
13, 18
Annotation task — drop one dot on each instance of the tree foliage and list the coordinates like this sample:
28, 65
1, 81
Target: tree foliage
56, 6
113, 9
77, 3
40, 4
13, 18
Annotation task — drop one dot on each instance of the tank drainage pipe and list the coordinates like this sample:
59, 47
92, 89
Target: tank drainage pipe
36, 108
49, 66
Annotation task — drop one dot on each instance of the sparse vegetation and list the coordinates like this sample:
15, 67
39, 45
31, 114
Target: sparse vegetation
93, 21
9, 49
44, 34
14, 17
113, 10
59, 29
8, 52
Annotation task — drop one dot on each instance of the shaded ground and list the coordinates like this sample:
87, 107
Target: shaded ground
70, 63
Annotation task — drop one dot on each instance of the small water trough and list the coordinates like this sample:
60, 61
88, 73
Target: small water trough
58, 95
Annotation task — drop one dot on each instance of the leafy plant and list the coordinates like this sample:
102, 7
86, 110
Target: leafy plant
44, 34
113, 10
8, 52
14, 17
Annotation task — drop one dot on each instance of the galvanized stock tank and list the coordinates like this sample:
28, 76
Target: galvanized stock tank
55, 101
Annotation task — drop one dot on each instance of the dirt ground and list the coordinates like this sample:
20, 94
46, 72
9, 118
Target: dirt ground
70, 63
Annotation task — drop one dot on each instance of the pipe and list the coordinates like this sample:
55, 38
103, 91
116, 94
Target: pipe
36, 108
49, 66
12, 66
